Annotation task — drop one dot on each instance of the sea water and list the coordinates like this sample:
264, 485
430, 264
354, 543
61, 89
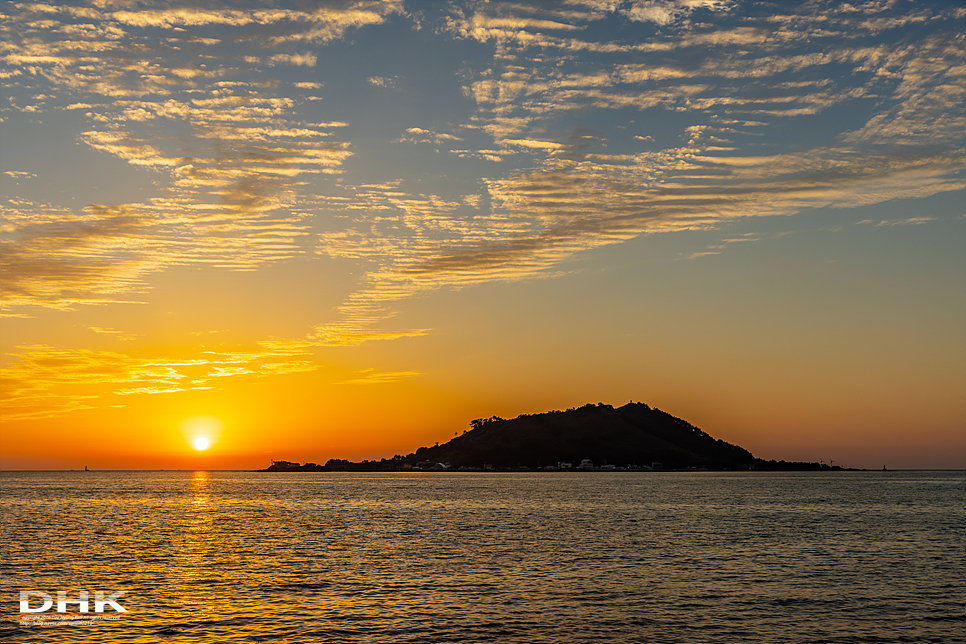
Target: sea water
486, 557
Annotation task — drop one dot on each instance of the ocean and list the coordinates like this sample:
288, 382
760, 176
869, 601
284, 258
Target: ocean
484, 557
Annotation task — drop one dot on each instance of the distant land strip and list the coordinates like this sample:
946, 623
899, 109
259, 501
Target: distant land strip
597, 437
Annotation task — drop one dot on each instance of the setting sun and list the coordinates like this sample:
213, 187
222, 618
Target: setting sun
201, 432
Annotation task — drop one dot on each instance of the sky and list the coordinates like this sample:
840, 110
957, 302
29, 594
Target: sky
344, 229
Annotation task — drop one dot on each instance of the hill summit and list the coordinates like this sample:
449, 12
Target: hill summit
634, 434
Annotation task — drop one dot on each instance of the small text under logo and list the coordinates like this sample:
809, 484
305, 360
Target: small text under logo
36, 606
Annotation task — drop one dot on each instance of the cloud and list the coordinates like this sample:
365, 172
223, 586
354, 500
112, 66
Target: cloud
322, 23
348, 335
530, 143
294, 59
45, 381
911, 221
56, 259
419, 135
505, 21
381, 81
97, 329
360, 314
231, 184
248, 183
373, 377
541, 218
134, 151
716, 249
931, 90
663, 12
34, 385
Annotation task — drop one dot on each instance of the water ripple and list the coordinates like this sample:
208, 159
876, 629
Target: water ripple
562, 558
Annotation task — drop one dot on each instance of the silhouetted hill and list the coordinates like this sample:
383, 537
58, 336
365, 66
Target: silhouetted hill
634, 434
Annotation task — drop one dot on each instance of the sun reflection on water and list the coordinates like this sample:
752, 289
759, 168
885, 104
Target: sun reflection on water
200, 487
239, 557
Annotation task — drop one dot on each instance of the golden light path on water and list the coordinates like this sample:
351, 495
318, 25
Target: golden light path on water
472, 557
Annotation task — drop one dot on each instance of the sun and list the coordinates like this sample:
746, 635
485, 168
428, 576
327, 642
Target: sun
201, 433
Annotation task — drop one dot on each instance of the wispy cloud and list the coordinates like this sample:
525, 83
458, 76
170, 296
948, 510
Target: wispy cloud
307, 59
373, 377
236, 186
382, 81
910, 221
233, 183
45, 381
717, 249
420, 135
542, 217
663, 12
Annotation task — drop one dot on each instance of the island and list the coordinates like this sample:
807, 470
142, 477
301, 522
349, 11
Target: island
589, 438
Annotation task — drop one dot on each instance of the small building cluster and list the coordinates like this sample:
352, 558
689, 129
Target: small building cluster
429, 465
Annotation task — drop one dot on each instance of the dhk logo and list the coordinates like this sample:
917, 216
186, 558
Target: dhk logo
82, 601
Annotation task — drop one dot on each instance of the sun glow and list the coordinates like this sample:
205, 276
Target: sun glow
201, 432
